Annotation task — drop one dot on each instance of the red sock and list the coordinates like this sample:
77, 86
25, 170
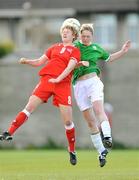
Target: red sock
70, 133
19, 120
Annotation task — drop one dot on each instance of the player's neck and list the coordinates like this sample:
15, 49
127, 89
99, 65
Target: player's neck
86, 44
67, 43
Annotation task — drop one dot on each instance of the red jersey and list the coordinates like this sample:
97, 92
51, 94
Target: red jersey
59, 57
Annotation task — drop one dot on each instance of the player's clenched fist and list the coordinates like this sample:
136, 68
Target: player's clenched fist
23, 61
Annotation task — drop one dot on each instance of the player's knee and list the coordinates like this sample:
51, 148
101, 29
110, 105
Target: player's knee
68, 123
30, 108
90, 124
98, 111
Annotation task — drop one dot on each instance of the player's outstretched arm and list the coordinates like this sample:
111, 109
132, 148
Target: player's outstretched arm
120, 53
34, 62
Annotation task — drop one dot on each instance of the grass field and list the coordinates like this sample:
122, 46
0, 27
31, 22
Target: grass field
54, 165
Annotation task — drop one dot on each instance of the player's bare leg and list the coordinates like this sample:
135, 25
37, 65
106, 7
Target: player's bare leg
95, 135
104, 123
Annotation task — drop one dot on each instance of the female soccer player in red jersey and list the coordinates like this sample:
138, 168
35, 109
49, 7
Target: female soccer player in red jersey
55, 80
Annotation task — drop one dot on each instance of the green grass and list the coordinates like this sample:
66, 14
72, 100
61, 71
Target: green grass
54, 165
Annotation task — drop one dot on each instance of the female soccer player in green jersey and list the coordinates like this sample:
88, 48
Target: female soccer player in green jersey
88, 89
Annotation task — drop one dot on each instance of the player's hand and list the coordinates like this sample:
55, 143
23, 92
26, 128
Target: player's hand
85, 63
52, 80
126, 46
23, 61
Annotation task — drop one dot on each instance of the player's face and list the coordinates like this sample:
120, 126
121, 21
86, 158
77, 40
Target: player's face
67, 35
86, 37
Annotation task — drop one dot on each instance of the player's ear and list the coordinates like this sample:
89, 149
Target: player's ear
74, 36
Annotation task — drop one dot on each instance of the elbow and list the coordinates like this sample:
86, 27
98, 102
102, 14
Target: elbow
38, 63
110, 60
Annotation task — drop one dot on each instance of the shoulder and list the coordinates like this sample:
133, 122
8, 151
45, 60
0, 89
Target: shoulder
56, 45
75, 49
104, 53
75, 52
96, 46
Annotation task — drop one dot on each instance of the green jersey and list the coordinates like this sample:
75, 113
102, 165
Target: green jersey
92, 53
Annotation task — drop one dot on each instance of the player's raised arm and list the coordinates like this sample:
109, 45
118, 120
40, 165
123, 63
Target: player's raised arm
120, 53
34, 62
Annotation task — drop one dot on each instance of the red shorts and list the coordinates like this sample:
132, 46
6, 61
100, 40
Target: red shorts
61, 92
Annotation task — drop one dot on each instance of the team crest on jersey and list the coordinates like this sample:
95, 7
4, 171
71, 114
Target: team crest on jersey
94, 47
69, 50
65, 49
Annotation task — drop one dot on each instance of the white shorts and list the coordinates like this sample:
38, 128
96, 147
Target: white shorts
87, 91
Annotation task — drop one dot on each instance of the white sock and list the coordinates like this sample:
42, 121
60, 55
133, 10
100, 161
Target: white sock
69, 127
26, 112
97, 142
106, 129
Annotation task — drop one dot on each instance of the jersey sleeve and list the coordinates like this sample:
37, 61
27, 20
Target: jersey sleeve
104, 54
49, 51
76, 54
